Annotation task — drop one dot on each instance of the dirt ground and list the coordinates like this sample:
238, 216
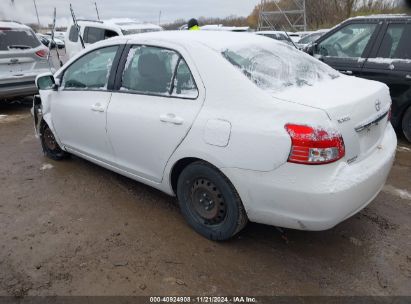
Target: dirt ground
73, 228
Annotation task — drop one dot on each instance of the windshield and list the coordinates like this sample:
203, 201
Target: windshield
275, 66
17, 39
310, 38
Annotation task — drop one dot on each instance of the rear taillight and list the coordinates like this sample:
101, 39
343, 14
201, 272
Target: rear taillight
314, 146
42, 53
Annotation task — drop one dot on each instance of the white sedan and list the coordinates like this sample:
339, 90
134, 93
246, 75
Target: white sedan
238, 126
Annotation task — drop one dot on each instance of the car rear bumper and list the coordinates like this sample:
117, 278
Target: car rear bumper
314, 197
18, 86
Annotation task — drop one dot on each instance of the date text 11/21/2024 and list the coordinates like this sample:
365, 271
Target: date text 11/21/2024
203, 299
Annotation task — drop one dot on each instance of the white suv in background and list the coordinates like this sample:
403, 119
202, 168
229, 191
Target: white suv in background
22, 58
94, 30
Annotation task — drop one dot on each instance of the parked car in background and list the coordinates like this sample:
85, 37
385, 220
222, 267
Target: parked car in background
295, 37
57, 34
310, 38
60, 43
235, 125
277, 35
22, 58
93, 31
377, 48
45, 40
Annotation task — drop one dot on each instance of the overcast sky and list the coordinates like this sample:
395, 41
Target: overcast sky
144, 10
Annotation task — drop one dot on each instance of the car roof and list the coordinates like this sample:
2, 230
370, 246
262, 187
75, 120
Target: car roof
118, 24
383, 17
270, 32
13, 25
217, 40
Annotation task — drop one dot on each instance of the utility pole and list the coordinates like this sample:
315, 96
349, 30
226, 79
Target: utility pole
98, 15
37, 13
159, 17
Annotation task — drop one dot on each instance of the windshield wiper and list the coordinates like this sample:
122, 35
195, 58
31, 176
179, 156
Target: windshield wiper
19, 46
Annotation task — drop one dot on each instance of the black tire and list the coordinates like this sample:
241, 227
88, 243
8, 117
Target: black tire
50, 146
406, 124
209, 202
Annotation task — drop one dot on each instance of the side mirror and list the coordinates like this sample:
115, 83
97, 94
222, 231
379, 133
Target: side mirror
309, 49
46, 81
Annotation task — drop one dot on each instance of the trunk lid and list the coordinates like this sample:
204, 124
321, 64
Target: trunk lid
357, 107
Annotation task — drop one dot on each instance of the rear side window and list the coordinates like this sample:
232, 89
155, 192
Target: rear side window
183, 84
17, 39
73, 35
158, 71
109, 34
396, 42
149, 70
90, 72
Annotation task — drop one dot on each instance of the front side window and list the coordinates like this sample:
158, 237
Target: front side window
184, 84
73, 34
276, 67
90, 72
396, 44
17, 39
157, 71
93, 34
348, 42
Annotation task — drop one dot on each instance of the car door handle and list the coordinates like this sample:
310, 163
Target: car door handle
347, 72
171, 118
97, 108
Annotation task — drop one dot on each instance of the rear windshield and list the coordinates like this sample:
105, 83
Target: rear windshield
276, 66
17, 39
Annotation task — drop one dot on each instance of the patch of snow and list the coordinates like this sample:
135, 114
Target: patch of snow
276, 66
389, 61
403, 149
403, 194
46, 167
11, 118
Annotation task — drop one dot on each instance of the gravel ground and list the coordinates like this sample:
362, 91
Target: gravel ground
73, 228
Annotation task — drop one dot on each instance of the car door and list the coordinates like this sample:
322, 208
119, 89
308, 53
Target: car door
156, 103
344, 48
79, 106
390, 63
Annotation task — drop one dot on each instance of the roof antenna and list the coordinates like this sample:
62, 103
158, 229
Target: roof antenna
98, 15
53, 29
37, 13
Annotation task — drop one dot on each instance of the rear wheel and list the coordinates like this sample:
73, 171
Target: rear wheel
209, 202
50, 146
406, 124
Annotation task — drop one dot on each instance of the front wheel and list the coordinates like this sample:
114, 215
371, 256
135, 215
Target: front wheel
406, 124
50, 146
209, 202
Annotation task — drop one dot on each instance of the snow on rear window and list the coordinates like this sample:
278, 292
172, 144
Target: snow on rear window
17, 39
274, 66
